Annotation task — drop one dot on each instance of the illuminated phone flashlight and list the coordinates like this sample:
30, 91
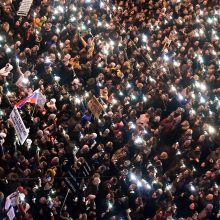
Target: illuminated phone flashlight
211, 130
60, 8
8, 50
57, 30
128, 85
209, 20
86, 94
133, 177
83, 27
99, 23
139, 183
144, 131
192, 188
144, 38
173, 88
110, 206
114, 101
57, 78
72, 19
151, 79
22, 197
148, 186
180, 97
8, 93
111, 43
1, 38
132, 125
77, 100
202, 100
25, 80
144, 98
168, 187
47, 60
203, 87
17, 60
178, 152
121, 93
165, 57
192, 111
175, 63
133, 97
139, 140
101, 4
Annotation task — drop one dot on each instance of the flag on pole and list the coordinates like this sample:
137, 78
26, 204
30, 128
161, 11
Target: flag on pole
35, 98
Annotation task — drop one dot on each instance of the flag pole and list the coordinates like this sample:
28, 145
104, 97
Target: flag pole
33, 110
64, 201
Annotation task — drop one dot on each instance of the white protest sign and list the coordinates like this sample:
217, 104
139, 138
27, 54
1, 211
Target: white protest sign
20, 129
11, 213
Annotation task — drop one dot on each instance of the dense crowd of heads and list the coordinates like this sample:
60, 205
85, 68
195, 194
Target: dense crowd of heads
154, 152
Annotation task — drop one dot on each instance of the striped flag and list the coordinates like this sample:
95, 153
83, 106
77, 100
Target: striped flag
35, 98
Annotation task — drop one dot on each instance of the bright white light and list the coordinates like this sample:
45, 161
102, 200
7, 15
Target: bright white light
192, 188
133, 177
175, 63
99, 23
203, 87
173, 88
201, 31
200, 59
60, 8
77, 100
165, 57
132, 126
110, 205
209, 20
211, 129
1, 38
178, 152
72, 19
74, 8
144, 38
180, 97
8, 50
25, 80
168, 187
8, 93
47, 60
192, 111
202, 100
128, 85
22, 197
121, 93
148, 186
139, 140
114, 101
83, 27
133, 97
139, 183
101, 4
57, 78
111, 43
144, 98
86, 94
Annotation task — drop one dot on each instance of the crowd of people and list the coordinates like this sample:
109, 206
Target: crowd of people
153, 152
